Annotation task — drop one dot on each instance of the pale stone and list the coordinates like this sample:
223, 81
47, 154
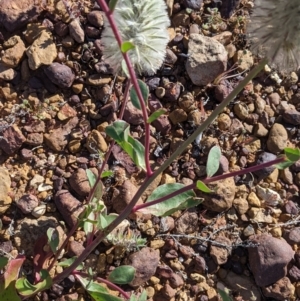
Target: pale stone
42, 51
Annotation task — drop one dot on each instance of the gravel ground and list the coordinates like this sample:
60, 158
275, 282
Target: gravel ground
56, 98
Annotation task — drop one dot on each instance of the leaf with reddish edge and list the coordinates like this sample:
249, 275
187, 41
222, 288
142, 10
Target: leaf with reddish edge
41, 257
25, 288
8, 279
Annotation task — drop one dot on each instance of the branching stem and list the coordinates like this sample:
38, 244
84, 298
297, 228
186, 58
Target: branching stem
209, 180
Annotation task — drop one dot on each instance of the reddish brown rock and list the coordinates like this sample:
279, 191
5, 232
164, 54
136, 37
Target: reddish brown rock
145, 262
222, 197
132, 115
187, 223
27, 203
162, 124
281, 290
66, 112
95, 17
60, 75
292, 236
58, 138
35, 139
12, 139
291, 116
75, 248
269, 259
123, 195
79, 182
176, 280
218, 252
15, 14
68, 206
76, 31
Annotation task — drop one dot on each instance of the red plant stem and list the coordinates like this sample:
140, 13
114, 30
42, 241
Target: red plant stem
108, 283
207, 181
133, 78
125, 98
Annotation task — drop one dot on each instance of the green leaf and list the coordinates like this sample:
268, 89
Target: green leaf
104, 297
224, 295
3, 262
138, 155
119, 131
8, 291
91, 177
141, 297
122, 275
125, 68
69, 261
25, 288
112, 4
105, 220
202, 187
213, 161
134, 97
171, 205
126, 46
93, 180
189, 203
97, 291
292, 154
88, 226
284, 165
107, 173
156, 114
53, 239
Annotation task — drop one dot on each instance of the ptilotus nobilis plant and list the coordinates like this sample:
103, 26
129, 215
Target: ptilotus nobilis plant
144, 23
275, 32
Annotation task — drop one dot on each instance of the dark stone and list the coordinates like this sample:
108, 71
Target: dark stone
153, 83
35, 83
95, 17
192, 4
264, 172
269, 259
92, 32
61, 29
291, 116
60, 75
294, 273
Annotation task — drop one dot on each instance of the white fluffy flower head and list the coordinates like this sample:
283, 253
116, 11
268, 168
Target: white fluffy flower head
275, 30
144, 23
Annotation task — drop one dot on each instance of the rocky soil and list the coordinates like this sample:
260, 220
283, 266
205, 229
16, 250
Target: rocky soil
56, 98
